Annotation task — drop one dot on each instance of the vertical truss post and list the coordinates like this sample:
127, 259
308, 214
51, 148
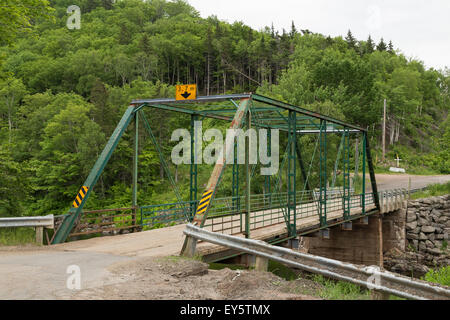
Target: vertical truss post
323, 173
267, 180
346, 175
247, 176
135, 166
235, 185
363, 202
193, 168
236, 199
373, 180
292, 161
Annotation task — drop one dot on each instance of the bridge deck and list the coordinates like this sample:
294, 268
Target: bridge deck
307, 220
168, 241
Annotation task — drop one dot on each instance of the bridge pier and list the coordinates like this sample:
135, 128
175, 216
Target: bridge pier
359, 244
365, 242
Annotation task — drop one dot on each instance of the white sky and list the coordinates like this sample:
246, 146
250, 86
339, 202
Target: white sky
420, 29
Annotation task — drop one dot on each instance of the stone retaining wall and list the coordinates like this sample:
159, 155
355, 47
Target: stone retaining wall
428, 224
427, 236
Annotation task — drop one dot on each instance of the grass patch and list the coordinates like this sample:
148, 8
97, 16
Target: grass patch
440, 276
339, 290
432, 191
282, 271
17, 236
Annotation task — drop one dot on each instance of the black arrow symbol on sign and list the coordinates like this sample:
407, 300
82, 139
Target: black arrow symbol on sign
186, 95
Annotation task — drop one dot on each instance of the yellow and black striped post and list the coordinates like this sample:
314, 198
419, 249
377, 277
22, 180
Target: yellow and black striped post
80, 196
190, 243
204, 202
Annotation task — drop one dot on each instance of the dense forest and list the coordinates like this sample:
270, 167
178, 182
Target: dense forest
63, 91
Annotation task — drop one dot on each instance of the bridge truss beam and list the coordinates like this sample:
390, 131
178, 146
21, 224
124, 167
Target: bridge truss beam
258, 112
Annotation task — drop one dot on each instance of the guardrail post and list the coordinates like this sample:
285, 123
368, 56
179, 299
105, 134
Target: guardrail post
190, 247
382, 201
40, 235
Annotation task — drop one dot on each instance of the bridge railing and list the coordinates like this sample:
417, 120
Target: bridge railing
159, 215
264, 215
106, 222
227, 215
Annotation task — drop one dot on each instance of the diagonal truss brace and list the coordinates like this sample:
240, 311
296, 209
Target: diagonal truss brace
70, 219
189, 245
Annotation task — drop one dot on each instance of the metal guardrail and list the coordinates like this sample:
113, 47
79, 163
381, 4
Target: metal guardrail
371, 277
39, 223
15, 222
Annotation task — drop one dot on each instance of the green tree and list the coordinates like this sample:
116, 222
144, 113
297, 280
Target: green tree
369, 48
351, 41
20, 15
390, 47
70, 145
14, 187
381, 46
443, 159
11, 92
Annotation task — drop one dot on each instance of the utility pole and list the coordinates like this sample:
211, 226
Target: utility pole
384, 131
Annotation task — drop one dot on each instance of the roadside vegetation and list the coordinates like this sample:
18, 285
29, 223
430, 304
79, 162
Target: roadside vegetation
432, 191
439, 276
340, 290
17, 236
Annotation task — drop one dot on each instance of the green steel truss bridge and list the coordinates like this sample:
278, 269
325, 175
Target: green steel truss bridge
312, 190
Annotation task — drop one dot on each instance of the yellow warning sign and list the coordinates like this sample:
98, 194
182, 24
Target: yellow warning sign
204, 202
80, 196
186, 92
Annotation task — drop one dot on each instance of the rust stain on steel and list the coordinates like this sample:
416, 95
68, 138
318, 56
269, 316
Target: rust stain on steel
218, 168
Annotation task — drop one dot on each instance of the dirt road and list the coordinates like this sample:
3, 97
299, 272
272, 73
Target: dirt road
387, 181
41, 273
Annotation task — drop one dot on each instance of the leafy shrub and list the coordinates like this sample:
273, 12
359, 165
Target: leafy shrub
440, 276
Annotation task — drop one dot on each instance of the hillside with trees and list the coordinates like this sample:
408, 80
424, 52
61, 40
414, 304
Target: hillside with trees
62, 92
